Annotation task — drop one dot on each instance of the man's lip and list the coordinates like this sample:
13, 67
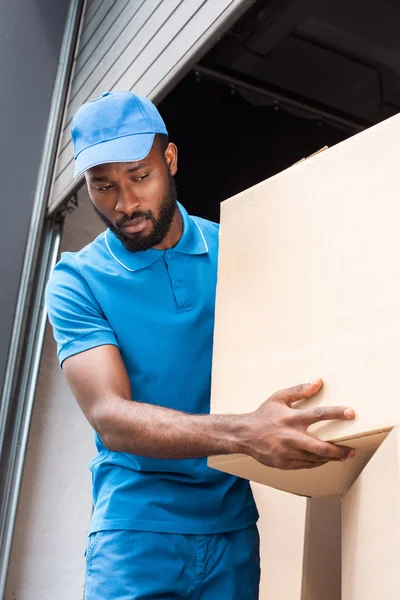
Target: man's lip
135, 225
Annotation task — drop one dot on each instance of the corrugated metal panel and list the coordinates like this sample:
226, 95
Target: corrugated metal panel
140, 45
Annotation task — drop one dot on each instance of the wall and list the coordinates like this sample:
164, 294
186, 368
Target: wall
47, 561
30, 39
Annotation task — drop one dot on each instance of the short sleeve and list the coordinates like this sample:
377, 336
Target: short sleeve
74, 313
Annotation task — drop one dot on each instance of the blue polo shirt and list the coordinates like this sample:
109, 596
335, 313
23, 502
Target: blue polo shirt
157, 307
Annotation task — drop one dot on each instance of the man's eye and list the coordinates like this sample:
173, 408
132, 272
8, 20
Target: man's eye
105, 188
141, 177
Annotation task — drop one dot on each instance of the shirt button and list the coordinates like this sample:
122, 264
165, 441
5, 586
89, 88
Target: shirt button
168, 256
178, 284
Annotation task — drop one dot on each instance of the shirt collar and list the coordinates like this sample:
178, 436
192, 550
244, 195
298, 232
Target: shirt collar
192, 241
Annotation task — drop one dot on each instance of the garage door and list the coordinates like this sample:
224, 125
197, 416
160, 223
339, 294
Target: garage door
139, 45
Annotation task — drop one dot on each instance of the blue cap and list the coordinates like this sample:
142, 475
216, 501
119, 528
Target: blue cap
117, 127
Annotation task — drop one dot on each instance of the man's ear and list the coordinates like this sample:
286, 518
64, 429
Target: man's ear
171, 158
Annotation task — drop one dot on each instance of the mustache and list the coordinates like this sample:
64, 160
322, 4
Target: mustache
138, 214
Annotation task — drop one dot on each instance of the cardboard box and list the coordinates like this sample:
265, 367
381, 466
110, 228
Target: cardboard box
300, 546
332, 479
322, 550
371, 528
308, 286
282, 528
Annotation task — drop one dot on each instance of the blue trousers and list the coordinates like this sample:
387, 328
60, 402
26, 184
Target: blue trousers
141, 565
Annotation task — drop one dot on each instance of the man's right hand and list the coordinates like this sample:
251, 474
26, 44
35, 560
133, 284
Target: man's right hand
276, 433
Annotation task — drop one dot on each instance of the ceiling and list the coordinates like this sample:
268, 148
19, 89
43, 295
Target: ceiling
340, 56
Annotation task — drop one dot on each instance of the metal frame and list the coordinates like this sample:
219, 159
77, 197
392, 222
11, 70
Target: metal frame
280, 96
30, 318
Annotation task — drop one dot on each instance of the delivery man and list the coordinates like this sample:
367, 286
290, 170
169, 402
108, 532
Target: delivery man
133, 314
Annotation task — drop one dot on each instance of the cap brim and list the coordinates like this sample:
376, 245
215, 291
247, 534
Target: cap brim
125, 149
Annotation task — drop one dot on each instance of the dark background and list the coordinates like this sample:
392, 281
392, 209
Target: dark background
295, 60
226, 144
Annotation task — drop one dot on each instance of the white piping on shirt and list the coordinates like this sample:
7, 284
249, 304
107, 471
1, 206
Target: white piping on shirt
114, 257
202, 235
134, 270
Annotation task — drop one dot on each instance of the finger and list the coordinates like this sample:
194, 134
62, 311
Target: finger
324, 413
299, 392
326, 450
310, 457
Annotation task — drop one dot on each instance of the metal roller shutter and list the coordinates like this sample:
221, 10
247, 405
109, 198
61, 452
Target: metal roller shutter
140, 45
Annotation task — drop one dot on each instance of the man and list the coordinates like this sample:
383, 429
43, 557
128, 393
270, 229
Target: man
133, 318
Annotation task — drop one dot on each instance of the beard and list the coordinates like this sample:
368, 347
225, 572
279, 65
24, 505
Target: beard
161, 225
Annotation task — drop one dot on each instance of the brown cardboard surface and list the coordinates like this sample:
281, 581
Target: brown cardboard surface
371, 528
299, 546
308, 286
322, 550
331, 479
282, 528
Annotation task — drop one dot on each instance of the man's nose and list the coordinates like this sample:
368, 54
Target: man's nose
127, 201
